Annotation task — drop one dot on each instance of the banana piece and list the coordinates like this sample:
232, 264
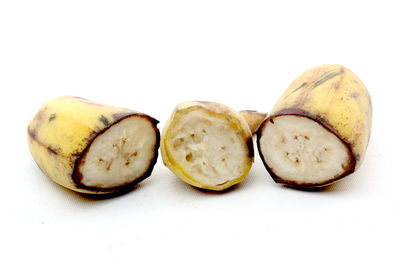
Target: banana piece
253, 119
318, 131
93, 148
208, 145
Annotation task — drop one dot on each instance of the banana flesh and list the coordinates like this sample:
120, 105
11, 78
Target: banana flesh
318, 131
93, 148
302, 150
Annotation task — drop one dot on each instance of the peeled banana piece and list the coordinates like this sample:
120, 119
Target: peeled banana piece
318, 131
208, 145
93, 148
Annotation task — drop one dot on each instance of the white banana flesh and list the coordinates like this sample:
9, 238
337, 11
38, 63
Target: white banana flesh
119, 155
301, 151
208, 148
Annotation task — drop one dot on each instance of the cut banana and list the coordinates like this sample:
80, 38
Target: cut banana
319, 129
207, 145
93, 148
253, 119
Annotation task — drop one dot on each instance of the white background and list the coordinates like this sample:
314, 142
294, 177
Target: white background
151, 55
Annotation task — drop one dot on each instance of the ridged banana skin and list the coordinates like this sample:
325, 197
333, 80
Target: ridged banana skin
336, 98
63, 129
216, 109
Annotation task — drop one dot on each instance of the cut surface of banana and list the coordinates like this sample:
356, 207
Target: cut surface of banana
207, 147
301, 151
119, 155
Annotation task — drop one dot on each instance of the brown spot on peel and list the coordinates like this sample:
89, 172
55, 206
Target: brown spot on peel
52, 117
32, 134
297, 89
121, 115
52, 150
327, 76
104, 120
354, 95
